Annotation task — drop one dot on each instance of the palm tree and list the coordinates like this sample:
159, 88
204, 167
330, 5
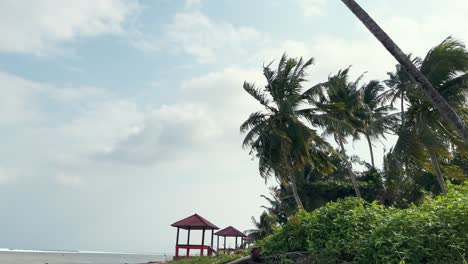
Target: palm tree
338, 100
425, 133
263, 227
375, 118
437, 100
278, 137
399, 82
281, 206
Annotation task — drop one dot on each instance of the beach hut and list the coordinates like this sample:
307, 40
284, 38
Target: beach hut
194, 222
248, 240
228, 232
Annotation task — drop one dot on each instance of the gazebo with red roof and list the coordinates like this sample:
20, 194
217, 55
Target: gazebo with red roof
248, 240
228, 232
194, 222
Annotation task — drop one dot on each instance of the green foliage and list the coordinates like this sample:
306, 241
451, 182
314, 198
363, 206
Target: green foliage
220, 259
316, 189
425, 137
277, 136
360, 232
263, 227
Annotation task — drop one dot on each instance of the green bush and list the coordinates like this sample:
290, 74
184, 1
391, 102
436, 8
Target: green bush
356, 231
220, 259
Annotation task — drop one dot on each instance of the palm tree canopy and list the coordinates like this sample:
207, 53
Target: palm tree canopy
337, 100
446, 67
263, 227
399, 82
278, 136
375, 116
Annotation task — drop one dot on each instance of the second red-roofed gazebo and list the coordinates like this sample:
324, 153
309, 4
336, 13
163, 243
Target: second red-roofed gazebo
228, 232
194, 222
247, 241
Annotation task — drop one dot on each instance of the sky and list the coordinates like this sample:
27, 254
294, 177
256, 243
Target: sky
120, 117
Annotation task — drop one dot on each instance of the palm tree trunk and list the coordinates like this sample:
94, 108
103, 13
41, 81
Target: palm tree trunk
402, 107
437, 100
371, 150
352, 176
293, 184
438, 172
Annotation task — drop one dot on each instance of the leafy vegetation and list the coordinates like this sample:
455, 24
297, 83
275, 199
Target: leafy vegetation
352, 229
278, 137
397, 218
220, 259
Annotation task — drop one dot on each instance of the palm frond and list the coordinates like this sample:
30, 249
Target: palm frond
256, 93
445, 61
255, 119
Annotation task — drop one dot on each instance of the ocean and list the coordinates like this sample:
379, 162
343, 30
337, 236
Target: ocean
44, 257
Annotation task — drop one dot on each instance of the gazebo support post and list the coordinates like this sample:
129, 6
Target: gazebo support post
177, 243
217, 244
224, 244
188, 243
236, 243
202, 242
212, 237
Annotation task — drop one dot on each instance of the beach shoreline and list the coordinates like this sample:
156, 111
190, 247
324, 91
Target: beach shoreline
72, 257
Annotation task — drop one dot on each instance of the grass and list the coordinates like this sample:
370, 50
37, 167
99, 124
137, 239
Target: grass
208, 260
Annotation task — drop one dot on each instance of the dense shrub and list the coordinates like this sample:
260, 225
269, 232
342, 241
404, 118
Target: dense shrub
357, 231
220, 259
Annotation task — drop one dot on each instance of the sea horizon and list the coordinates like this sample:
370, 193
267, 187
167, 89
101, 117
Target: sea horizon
21, 256
80, 251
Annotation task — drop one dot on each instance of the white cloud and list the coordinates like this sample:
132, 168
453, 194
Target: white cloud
39, 27
292, 48
189, 4
16, 105
332, 54
311, 7
195, 34
98, 125
364, 55
6, 175
221, 94
419, 33
68, 125
23, 101
210, 109
68, 180
97, 128
165, 133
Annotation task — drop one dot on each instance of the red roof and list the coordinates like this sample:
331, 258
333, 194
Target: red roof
248, 238
194, 222
230, 232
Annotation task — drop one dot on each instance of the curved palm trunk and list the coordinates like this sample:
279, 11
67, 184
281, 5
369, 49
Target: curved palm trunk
371, 150
437, 100
438, 172
352, 176
293, 184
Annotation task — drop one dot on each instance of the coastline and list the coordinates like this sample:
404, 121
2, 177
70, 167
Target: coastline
74, 257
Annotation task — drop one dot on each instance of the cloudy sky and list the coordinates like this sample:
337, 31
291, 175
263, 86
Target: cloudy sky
119, 117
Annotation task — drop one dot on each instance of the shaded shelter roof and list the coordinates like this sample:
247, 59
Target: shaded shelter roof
230, 232
194, 222
248, 238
